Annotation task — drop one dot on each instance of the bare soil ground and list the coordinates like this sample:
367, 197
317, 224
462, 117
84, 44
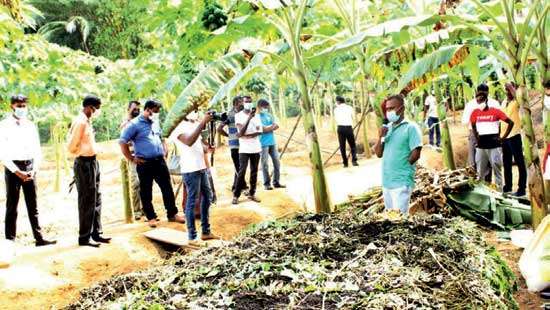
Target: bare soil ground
49, 278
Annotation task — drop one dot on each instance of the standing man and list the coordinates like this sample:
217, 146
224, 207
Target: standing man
512, 146
269, 147
149, 156
468, 109
399, 145
233, 136
21, 157
430, 114
343, 115
486, 128
86, 173
133, 112
250, 147
195, 176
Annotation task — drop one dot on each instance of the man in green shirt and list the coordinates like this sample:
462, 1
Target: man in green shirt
399, 145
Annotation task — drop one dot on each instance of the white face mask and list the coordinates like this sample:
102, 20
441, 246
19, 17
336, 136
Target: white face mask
96, 113
193, 116
20, 113
156, 117
547, 102
247, 106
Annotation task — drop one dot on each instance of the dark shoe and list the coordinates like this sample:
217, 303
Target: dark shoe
279, 186
89, 243
254, 198
268, 188
45, 242
345, 165
177, 218
355, 164
209, 237
520, 194
102, 239
235, 201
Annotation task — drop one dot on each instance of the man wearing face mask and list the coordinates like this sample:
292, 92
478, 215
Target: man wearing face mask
468, 109
250, 128
486, 128
269, 147
399, 145
232, 134
133, 112
149, 156
21, 157
343, 115
86, 173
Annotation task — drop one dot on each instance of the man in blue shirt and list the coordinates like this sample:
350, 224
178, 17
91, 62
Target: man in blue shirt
269, 147
149, 153
399, 145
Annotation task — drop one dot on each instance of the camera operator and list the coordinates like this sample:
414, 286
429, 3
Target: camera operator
232, 134
194, 170
250, 128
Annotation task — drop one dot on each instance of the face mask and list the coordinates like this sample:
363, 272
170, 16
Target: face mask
264, 110
135, 113
96, 113
156, 117
248, 106
193, 116
20, 113
392, 116
547, 102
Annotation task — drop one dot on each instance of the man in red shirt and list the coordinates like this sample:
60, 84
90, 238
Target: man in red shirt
486, 128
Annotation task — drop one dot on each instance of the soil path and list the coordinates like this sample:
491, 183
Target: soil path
51, 277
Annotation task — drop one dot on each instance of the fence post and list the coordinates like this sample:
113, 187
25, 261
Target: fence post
128, 210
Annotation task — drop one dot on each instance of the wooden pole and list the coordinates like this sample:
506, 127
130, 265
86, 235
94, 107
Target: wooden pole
128, 210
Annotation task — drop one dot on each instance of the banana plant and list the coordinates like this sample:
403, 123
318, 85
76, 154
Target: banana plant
515, 36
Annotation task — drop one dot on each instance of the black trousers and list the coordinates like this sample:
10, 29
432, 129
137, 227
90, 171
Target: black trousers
345, 134
13, 189
235, 158
156, 170
87, 178
512, 147
254, 160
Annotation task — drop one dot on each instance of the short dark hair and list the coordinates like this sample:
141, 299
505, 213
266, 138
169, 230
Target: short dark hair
263, 103
483, 87
340, 99
133, 102
91, 100
547, 84
18, 98
247, 97
398, 98
237, 100
152, 103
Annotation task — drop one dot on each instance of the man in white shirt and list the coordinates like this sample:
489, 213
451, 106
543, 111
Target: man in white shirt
21, 157
430, 114
343, 115
468, 109
250, 128
194, 170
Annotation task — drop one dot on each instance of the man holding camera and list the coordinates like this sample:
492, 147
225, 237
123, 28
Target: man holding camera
250, 128
133, 112
195, 174
149, 156
21, 156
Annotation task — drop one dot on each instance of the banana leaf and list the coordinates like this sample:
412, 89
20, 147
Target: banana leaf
425, 68
203, 87
383, 29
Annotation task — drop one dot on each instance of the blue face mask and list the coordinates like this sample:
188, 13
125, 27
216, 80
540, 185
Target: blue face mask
392, 116
21, 113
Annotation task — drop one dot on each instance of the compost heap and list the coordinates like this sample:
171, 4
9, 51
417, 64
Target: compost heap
343, 260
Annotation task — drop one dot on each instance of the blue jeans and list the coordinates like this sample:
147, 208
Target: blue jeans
397, 198
271, 151
197, 185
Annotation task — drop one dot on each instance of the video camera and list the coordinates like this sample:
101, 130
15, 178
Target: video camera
219, 117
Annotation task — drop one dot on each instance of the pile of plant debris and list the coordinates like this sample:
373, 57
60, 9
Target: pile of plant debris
343, 260
429, 194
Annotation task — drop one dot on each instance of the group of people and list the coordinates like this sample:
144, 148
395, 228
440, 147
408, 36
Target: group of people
251, 139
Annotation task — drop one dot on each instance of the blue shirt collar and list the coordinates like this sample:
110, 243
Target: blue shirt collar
142, 118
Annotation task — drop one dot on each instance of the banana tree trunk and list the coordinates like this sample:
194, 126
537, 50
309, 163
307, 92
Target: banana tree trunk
320, 187
535, 180
365, 120
446, 145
